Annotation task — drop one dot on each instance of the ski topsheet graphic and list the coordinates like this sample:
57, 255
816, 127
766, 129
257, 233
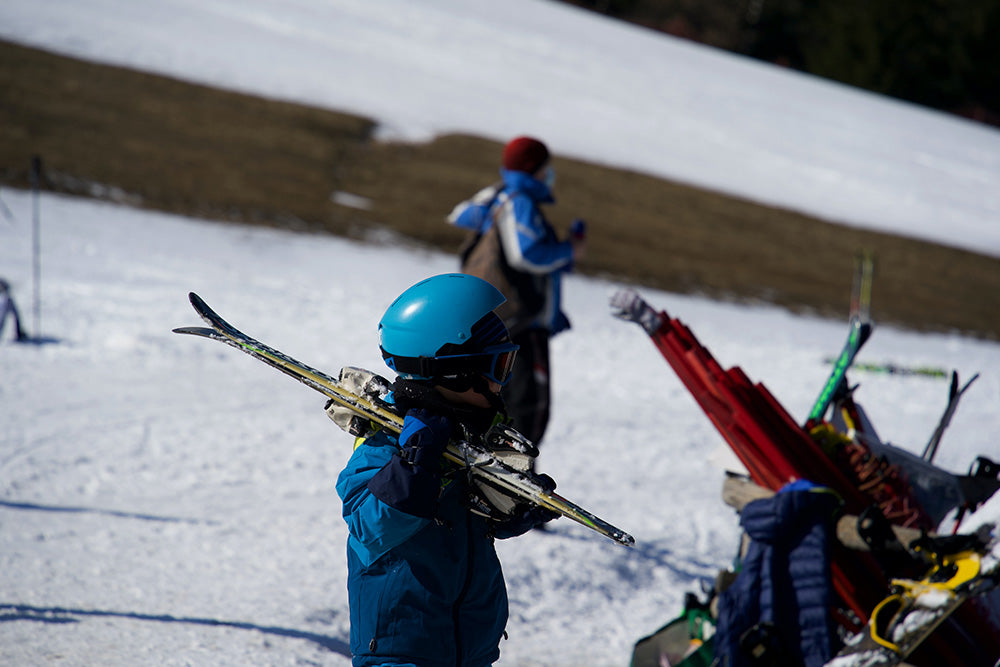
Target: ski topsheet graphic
487, 462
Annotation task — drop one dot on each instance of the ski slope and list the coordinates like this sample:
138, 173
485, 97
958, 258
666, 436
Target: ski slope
593, 88
166, 500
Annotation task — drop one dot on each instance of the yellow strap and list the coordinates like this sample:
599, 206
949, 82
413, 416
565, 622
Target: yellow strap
848, 421
966, 565
967, 568
873, 622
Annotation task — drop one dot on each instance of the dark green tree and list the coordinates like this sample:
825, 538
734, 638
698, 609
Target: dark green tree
930, 52
939, 53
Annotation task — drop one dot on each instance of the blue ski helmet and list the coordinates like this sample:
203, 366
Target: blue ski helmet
444, 327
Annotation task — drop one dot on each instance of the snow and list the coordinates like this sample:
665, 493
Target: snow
932, 599
592, 88
167, 500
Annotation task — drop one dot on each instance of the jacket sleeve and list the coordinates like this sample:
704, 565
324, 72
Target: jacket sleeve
474, 213
528, 242
375, 526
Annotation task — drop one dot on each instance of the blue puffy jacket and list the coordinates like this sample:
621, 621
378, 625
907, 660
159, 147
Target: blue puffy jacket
785, 580
422, 591
530, 244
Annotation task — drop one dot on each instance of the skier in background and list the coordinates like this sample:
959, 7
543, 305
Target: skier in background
7, 308
424, 580
516, 249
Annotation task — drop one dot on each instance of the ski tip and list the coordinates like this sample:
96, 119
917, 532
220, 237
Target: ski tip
194, 331
626, 304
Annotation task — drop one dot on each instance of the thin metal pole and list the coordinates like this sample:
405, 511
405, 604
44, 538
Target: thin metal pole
36, 170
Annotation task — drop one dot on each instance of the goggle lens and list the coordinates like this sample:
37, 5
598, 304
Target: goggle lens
494, 363
503, 364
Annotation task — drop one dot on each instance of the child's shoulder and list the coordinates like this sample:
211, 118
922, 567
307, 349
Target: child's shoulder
373, 449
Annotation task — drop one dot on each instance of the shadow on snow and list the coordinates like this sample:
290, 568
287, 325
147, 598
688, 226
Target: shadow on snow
91, 510
20, 612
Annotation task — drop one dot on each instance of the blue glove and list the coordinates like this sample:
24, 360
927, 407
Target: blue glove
578, 229
424, 438
411, 481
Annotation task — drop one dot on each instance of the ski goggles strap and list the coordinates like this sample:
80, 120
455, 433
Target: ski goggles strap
494, 362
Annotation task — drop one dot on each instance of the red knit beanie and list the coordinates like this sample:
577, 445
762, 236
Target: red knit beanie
525, 154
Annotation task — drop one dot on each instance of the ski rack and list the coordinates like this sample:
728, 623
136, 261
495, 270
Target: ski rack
776, 450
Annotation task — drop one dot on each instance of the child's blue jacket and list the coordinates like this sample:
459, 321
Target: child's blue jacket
428, 592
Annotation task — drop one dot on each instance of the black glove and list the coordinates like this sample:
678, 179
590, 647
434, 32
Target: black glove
411, 480
519, 525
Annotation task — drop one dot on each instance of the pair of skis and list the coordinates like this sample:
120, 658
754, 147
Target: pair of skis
485, 459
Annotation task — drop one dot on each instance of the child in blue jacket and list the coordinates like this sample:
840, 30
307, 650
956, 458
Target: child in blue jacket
424, 581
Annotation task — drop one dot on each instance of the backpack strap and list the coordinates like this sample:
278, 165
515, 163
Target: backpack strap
475, 235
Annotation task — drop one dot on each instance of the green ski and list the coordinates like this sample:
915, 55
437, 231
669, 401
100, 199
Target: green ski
860, 329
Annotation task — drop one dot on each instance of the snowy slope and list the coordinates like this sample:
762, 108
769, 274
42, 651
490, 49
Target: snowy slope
166, 500
593, 88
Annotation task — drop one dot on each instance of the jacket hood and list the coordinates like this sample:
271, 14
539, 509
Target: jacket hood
532, 187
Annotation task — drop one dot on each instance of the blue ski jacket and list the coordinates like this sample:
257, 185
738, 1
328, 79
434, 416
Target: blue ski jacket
422, 591
530, 244
785, 583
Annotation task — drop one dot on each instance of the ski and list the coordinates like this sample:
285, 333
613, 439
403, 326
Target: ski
914, 609
860, 329
954, 394
488, 462
889, 368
